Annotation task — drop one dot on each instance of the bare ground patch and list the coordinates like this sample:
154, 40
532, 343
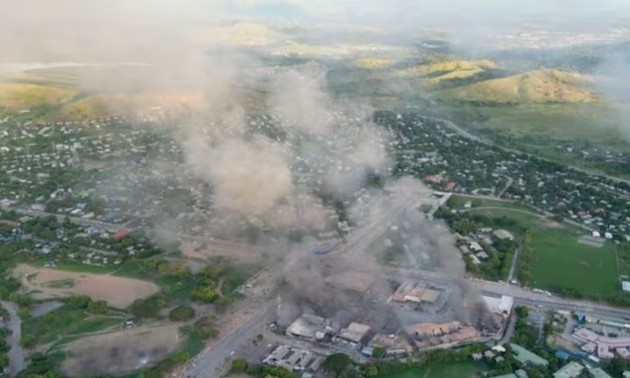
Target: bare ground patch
121, 351
233, 251
119, 292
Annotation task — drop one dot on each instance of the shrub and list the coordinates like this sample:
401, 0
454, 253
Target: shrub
181, 313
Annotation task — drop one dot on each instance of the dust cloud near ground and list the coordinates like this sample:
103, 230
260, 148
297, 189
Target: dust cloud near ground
122, 351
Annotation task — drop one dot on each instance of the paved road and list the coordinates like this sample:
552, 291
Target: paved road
214, 361
521, 295
16, 354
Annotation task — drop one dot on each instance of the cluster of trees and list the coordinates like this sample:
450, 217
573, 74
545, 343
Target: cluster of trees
4, 348
86, 303
239, 365
43, 366
524, 272
181, 313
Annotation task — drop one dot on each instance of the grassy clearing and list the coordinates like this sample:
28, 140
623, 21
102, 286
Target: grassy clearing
458, 202
560, 262
623, 259
457, 370
64, 322
525, 218
597, 123
17, 96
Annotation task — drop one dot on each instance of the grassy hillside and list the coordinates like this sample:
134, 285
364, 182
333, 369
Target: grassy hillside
372, 63
544, 86
17, 96
102, 105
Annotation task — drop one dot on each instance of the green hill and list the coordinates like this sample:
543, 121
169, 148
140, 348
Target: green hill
544, 86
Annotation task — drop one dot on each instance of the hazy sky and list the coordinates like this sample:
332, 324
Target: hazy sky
45, 29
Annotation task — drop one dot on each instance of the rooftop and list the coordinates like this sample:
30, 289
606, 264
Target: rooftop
355, 332
310, 326
524, 356
570, 370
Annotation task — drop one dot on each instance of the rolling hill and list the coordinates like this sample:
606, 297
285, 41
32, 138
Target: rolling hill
543, 86
17, 96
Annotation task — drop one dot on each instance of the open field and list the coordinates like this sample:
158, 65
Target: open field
525, 218
560, 262
119, 292
457, 370
623, 259
65, 322
121, 351
458, 202
598, 123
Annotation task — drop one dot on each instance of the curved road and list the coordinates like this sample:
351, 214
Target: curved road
16, 354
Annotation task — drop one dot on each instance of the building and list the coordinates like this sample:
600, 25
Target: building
599, 373
511, 375
311, 327
354, 335
503, 235
293, 359
416, 292
570, 370
432, 334
433, 329
601, 344
393, 344
526, 357
499, 305
520, 373
625, 286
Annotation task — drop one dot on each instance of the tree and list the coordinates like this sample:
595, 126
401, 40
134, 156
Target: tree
98, 307
81, 301
182, 313
204, 294
521, 311
239, 365
337, 363
378, 352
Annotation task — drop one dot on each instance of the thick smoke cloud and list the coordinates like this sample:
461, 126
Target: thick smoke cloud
613, 78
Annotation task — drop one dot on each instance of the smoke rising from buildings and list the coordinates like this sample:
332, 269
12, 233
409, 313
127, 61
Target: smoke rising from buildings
325, 149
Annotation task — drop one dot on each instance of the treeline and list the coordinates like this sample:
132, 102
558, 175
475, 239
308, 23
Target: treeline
524, 267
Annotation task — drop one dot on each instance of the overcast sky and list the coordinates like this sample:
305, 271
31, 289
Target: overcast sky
46, 29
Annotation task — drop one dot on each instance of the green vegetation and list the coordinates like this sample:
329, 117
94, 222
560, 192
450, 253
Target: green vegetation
623, 259
458, 370
523, 271
547, 246
586, 270
241, 366
71, 319
544, 86
43, 366
181, 314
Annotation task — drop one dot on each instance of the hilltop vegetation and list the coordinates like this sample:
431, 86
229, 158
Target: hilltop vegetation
17, 96
543, 86
79, 92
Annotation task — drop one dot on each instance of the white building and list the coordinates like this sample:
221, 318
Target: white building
499, 305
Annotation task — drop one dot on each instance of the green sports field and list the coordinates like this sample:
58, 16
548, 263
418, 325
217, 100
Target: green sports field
457, 370
561, 262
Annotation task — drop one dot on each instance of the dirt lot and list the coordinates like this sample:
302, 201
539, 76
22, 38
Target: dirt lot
121, 351
47, 283
233, 251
